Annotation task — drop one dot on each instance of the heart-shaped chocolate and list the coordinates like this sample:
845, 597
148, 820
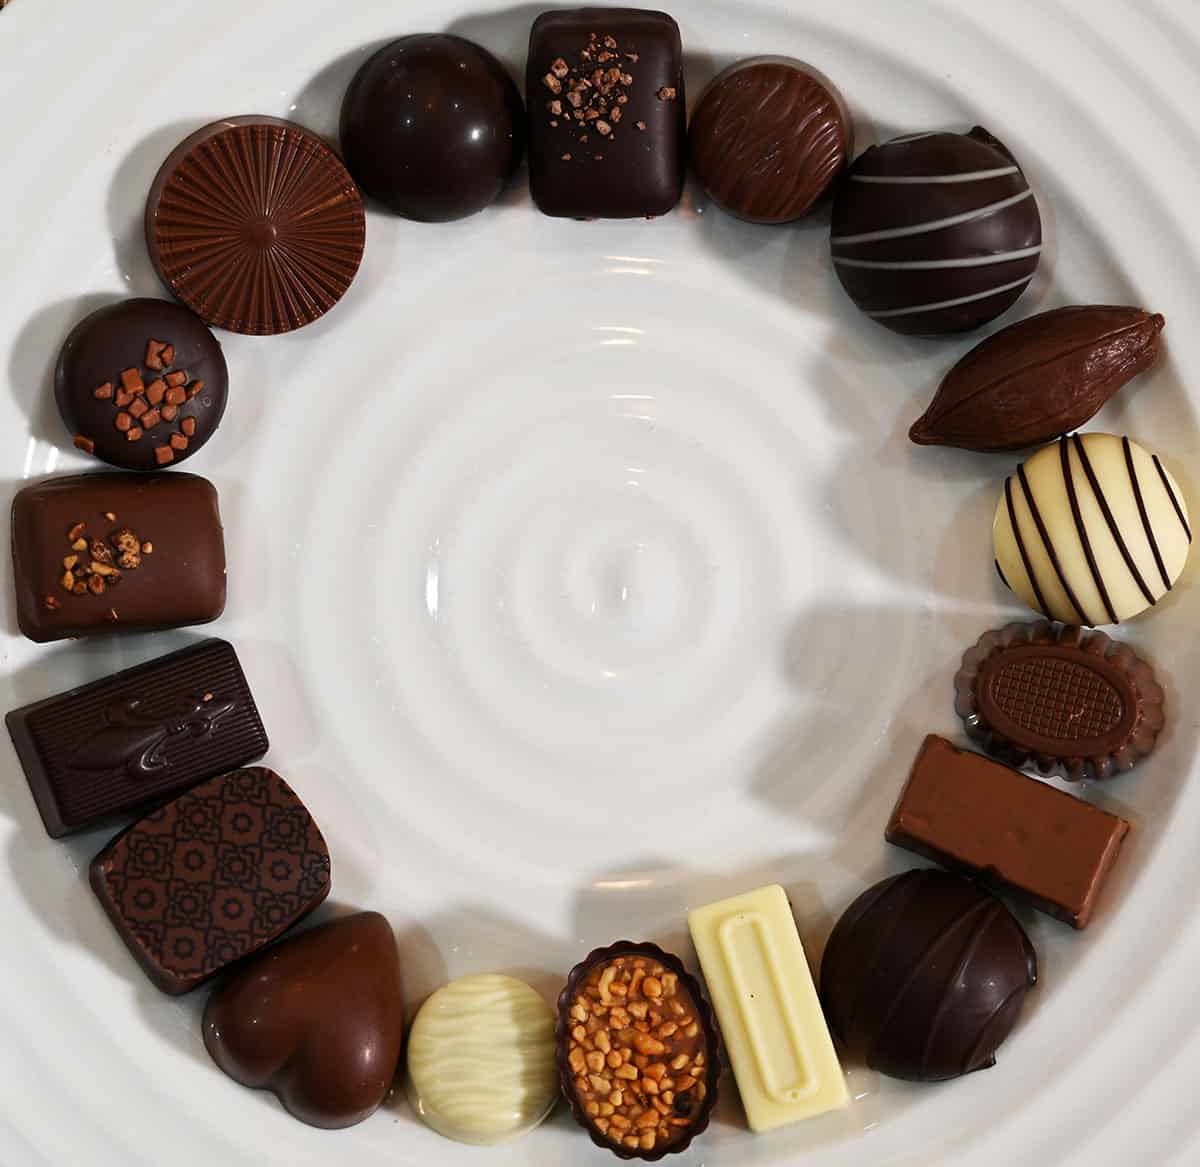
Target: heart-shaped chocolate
316, 1019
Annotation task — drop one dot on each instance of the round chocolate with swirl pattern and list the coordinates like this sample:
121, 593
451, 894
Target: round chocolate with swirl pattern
924, 976
768, 138
935, 233
1091, 530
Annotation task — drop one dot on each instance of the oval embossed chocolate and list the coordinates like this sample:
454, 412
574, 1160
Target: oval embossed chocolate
1059, 698
1039, 378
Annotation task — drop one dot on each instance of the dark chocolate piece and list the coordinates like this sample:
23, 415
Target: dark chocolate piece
768, 138
213, 876
924, 976
935, 233
120, 744
655, 990
607, 123
176, 376
316, 1019
976, 816
95, 553
432, 127
254, 223
1039, 378
1059, 698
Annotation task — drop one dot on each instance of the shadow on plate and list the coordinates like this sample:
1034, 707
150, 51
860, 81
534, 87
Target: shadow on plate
126, 204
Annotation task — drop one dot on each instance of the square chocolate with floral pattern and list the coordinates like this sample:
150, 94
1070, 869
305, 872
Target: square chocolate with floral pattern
212, 876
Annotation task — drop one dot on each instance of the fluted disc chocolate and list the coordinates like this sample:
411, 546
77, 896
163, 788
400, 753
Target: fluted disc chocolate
768, 138
256, 225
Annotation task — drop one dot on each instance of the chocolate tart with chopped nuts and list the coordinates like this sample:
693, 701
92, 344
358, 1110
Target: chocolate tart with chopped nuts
636, 1047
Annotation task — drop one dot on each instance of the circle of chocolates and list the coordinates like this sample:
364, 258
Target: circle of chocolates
255, 224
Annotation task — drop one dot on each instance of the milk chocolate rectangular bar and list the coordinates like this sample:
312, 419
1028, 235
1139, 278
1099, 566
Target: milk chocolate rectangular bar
971, 814
125, 742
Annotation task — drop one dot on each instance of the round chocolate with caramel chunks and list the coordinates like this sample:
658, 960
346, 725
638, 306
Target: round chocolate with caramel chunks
141, 384
924, 976
637, 1051
768, 137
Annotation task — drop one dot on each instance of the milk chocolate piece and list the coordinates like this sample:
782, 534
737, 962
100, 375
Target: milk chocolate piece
768, 138
212, 877
777, 1040
678, 1043
924, 976
481, 1065
141, 735
96, 553
607, 124
255, 224
1059, 698
973, 815
316, 1019
935, 233
1091, 530
1039, 378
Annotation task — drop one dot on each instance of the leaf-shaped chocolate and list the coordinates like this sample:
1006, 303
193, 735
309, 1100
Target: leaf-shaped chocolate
1039, 378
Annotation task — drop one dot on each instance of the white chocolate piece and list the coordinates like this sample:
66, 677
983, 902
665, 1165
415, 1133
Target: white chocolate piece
771, 1020
481, 1060
1091, 530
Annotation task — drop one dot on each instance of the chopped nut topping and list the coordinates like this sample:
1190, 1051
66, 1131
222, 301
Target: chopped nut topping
104, 392
559, 68
163, 455
552, 83
620, 1066
188, 425
168, 355
123, 398
147, 548
156, 391
53, 603
133, 434
84, 444
150, 419
169, 412
667, 93
137, 407
110, 516
176, 378
77, 530
153, 358
79, 545
177, 395
131, 381
96, 585
640, 125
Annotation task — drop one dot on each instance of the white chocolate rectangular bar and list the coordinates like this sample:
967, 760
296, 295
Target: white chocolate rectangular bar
760, 985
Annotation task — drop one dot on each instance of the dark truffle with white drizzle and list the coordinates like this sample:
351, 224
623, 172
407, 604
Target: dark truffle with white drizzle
935, 233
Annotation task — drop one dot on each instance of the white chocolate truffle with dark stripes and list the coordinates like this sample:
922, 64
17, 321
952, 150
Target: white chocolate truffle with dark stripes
935, 233
1091, 530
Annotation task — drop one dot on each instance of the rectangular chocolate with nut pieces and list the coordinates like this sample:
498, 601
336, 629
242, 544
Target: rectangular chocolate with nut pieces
105, 553
604, 87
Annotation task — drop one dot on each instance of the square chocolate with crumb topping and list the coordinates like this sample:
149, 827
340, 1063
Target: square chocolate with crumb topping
607, 122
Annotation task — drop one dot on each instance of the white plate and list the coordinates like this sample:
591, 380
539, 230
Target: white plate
584, 572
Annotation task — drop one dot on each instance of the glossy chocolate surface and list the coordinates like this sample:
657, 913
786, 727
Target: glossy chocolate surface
126, 741
179, 580
1060, 698
768, 138
432, 127
168, 421
316, 1019
924, 976
254, 223
694, 1104
634, 169
212, 876
1016, 834
935, 233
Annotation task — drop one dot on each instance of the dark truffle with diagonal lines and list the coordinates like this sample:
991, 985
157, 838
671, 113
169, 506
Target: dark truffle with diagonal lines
924, 976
